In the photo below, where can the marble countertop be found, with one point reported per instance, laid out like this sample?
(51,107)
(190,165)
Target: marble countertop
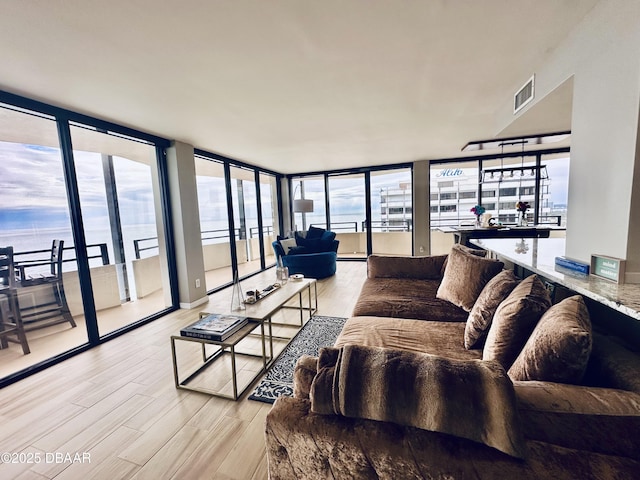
(539,254)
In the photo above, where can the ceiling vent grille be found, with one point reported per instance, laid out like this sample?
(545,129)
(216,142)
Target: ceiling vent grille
(524,95)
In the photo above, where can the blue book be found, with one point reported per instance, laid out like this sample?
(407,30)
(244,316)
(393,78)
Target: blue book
(573,265)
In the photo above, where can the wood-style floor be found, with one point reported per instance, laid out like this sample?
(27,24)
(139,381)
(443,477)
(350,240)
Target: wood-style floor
(113,412)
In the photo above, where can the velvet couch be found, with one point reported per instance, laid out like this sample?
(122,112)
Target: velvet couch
(573,396)
(312,253)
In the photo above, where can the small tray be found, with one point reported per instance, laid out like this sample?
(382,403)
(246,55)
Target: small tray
(263,293)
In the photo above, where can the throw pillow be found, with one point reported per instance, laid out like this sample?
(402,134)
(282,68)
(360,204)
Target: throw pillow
(326,240)
(465,276)
(287,244)
(479,320)
(464,248)
(515,319)
(559,347)
(315,232)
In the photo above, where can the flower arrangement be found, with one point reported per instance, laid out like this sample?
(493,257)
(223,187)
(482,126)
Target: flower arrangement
(522,207)
(478,210)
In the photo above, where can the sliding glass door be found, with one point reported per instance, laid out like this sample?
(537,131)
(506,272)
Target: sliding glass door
(391,211)
(347,213)
(34,212)
(269,212)
(214,222)
(123,227)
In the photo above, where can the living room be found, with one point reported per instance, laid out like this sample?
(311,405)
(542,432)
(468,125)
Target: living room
(586,81)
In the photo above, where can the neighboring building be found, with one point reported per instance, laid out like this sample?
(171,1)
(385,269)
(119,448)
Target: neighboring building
(454,192)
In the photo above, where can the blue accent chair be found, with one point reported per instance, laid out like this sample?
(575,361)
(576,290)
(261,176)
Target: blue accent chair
(313,257)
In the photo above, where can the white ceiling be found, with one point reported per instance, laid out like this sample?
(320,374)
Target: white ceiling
(293,86)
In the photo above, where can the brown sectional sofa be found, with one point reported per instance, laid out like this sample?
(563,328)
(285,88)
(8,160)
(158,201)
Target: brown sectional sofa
(585,429)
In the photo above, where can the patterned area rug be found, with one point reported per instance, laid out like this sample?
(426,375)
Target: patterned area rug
(318,332)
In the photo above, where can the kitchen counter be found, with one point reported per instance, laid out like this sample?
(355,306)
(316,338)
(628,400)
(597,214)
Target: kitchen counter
(538,255)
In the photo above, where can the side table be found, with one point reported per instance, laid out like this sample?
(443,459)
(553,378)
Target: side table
(222,348)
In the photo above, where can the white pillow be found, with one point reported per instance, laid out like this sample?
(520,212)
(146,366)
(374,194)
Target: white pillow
(287,243)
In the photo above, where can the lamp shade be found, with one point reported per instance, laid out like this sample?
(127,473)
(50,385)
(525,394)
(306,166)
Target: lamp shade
(302,205)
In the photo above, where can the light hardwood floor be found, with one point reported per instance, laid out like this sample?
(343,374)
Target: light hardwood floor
(113,412)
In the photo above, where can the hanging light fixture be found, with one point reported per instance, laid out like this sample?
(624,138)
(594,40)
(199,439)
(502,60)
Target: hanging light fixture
(506,174)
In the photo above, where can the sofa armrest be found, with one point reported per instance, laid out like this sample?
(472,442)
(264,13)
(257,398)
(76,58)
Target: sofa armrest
(303,373)
(602,420)
(423,268)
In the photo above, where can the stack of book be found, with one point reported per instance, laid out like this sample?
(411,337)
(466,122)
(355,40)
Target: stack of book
(215,327)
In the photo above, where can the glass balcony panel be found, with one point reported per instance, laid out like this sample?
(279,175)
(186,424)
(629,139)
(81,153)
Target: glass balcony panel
(33,212)
(122,213)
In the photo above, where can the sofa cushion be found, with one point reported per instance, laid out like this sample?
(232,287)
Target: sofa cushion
(559,347)
(436,338)
(515,319)
(479,320)
(406,298)
(612,365)
(422,268)
(465,276)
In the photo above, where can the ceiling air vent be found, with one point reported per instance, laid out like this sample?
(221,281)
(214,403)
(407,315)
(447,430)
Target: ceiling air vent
(524,95)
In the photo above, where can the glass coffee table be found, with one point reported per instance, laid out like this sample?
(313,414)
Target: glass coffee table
(203,378)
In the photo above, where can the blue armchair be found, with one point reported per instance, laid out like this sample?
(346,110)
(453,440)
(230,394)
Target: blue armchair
(314,255)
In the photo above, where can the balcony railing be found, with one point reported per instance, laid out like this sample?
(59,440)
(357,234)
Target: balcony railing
(94,251)
(151,243)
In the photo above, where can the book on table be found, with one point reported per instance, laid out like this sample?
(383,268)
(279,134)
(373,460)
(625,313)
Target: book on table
(215,326)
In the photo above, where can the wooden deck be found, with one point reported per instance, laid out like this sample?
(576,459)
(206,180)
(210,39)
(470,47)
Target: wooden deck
(113,412)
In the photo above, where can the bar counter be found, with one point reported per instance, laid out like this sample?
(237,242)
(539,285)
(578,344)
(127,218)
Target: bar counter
(538,255)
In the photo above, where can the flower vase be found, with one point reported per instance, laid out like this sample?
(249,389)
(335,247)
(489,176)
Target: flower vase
(522,221)
(478,221)
(237,298)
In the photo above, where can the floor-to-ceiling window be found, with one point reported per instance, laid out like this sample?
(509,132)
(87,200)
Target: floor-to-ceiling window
(270,217)
(310,188)
(498,183)
(453,191)
(245,217)
(214,221)
(121,212)
(507,181)
(34,211)
(239,217)
(554,192)
(347,213)
(75,198)
(391,211)
(370,210)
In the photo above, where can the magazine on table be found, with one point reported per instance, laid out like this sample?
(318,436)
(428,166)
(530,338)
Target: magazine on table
(215,326)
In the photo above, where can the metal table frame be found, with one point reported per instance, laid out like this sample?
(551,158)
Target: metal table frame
(258,314)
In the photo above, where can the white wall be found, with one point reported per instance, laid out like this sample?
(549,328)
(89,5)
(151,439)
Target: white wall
(603,55)
(186,224)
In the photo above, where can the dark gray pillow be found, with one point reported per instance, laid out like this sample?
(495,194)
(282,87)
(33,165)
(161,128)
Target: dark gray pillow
(515,319)
(481,315)
(559,347)
(465,276)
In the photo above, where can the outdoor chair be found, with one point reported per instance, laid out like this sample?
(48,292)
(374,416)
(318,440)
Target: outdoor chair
(11,327)
(45,307)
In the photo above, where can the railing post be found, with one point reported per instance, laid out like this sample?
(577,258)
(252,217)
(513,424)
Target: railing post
(104,253)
